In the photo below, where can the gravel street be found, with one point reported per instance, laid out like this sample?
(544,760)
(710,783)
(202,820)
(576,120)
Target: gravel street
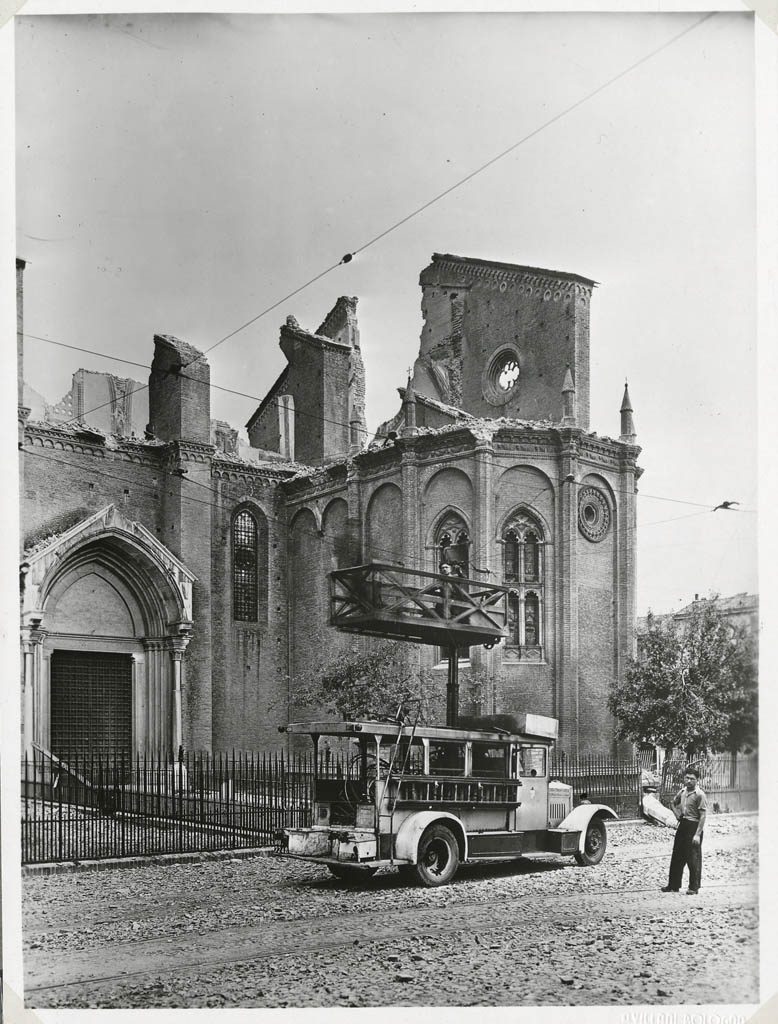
(277,933)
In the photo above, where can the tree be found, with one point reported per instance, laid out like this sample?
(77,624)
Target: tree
(372,682)
(692,687)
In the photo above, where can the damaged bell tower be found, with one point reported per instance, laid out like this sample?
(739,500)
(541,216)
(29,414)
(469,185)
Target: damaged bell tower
(497,338)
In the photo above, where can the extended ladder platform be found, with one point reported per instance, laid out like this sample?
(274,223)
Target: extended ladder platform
(390,601)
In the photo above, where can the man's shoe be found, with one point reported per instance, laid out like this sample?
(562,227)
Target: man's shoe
(669,888)
(691,892)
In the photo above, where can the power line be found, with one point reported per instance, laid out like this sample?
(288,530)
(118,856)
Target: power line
(324,419)
(451,188)
(493,563)
(535,131)
(339,423)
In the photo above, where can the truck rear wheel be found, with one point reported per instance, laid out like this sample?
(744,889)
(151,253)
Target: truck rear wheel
(595,841)
(438,856)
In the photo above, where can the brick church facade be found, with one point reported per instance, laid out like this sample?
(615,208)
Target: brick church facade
(174,583)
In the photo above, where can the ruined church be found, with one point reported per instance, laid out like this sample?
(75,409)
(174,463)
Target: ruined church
(174,578)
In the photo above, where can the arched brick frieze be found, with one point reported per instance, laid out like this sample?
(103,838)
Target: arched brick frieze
(383,525)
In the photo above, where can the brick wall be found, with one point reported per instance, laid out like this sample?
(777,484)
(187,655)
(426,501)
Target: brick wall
(250,667)
(66,481)
(474,309)
(179,392)
(383,525)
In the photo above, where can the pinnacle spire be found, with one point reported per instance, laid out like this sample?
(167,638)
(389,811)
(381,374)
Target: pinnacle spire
(628,434)
(409,407)
(569,418)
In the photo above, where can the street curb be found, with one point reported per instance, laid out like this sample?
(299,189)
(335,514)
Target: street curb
(125,863)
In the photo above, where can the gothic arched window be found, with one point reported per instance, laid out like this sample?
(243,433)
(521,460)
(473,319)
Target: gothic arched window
(523,569)
(452,545)
(531,563)
(244,567)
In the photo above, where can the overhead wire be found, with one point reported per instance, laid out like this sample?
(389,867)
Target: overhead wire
(400,556)
(340,423)
(348,257)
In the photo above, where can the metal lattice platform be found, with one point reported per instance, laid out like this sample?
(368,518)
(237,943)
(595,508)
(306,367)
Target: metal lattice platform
(408,604)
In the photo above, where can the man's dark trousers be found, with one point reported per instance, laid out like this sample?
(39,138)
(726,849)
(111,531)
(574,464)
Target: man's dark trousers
(685,852)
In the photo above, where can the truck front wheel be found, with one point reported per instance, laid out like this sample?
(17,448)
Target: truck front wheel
(438,856)
(595,841)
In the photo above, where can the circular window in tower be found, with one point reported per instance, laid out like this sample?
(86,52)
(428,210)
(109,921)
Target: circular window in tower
(594,514)
(501,376)
(508,375)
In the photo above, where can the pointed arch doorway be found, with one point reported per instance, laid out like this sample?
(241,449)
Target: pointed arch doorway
(106,620)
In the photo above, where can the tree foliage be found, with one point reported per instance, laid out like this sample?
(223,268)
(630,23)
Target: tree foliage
(692,687)
(371,682)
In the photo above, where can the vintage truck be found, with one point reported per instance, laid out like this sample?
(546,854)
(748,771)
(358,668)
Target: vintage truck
(429,798)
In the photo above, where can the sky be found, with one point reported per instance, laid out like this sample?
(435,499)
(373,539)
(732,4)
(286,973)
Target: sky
(180,174)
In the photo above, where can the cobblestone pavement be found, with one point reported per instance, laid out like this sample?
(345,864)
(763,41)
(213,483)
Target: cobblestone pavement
(274,933)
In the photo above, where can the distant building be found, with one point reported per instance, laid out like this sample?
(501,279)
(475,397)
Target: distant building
(174,579)
(742,610)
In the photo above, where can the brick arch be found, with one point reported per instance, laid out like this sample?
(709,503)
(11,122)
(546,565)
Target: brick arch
(308,596)
(525,485)
(383,525)
(596,480)
(337,546)
(449,486)
(105,593)
(312,510)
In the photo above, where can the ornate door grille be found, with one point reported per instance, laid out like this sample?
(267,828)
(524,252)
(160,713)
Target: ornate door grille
(91,702)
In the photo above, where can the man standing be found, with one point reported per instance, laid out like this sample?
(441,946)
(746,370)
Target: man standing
(690,808)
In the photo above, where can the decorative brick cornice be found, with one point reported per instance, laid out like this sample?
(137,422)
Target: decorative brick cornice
(531,281)
(191,451)
(44,435)
(234,472)
(58,440)
(316,481)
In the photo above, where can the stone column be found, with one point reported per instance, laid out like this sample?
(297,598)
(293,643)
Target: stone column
(483,530)
(354,518)
(412,542)
(32,639)
(176,733)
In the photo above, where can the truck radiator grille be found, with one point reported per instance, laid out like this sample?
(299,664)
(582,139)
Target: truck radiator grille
(557,810)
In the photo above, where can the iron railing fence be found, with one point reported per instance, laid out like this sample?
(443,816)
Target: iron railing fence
(730,781)
(93,806)
(616,782)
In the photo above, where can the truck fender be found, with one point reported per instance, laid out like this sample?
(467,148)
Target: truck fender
(578,819)
(406,844)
